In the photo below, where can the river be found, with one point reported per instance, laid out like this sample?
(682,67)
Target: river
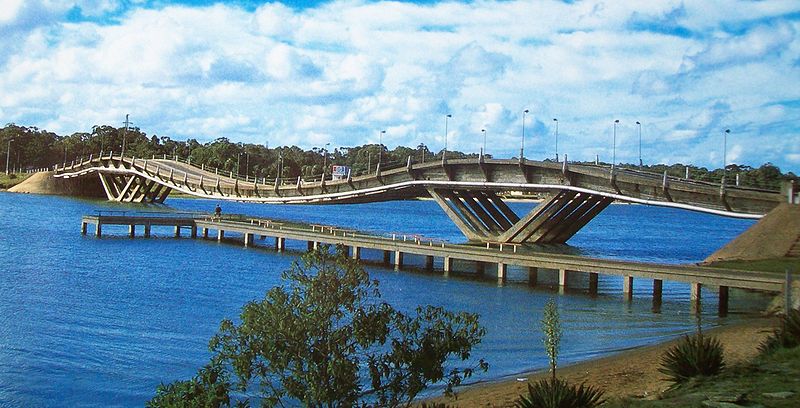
(101,322)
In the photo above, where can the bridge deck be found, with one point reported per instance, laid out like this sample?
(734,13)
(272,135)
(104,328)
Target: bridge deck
(410,244)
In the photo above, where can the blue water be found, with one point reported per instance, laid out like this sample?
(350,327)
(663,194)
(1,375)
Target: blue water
(101,322)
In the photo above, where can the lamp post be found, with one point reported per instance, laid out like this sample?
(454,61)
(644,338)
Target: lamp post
(522,143)
(125,133)
(247,164)
(444,153)
(325,159)
(8,154)
(640,144)
(556,120)
(380,146)
(614,146)
(483,150)
(725,155)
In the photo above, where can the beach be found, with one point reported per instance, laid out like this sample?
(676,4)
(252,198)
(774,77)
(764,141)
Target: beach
(631,373)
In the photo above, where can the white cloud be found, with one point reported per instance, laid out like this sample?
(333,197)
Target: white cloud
(342,71)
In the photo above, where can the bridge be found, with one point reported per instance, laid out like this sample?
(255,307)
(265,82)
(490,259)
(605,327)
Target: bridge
(470,191)
(494,257)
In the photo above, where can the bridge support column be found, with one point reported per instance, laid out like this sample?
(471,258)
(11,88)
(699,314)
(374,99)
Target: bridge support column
(177,231)
(280,244)
(593,278)
(447,264)
(205,232)
(658,286)
(98,229)
(398,259)
(248,239)
(356,253)
(132,230)
(695,292)
(84,227)
(194,231)
(220,235)
(429,262)
(386,257)
(502,271)
(147,230)
(627,288)
(723,301)
(533,275)
(562,278)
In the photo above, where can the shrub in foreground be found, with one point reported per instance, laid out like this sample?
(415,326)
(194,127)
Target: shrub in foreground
(557,393)
(787,335)
(327,339)
(694,356)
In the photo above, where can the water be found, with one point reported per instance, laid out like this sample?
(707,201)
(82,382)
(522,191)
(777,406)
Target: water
(101,322)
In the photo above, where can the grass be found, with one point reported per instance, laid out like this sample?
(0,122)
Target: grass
(775,372)
(10,180)
(777,265)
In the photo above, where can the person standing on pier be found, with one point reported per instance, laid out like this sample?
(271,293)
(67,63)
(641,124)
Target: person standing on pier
(218,212)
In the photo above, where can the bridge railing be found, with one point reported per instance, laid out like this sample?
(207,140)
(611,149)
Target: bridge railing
(385,166)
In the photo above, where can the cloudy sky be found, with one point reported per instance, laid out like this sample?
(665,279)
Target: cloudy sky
(315,72)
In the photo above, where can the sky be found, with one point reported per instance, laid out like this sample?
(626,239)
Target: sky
(313,73)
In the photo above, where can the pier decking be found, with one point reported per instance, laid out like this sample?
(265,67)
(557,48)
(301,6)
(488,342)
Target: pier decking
(499,256)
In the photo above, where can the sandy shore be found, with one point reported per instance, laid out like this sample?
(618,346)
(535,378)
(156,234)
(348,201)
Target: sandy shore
(631,373)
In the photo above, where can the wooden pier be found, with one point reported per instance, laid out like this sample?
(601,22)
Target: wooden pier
(495,256)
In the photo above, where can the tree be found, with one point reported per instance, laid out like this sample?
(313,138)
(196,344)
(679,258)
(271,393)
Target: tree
(327,339)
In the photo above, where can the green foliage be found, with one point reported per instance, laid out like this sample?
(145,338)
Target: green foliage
(327,339)
(551,326)
(694,356)
(786,336)
(209,388)
(556,393)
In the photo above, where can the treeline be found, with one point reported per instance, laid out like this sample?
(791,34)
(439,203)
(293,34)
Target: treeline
(33,148)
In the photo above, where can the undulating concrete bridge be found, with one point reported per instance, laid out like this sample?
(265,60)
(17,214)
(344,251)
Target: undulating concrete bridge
(470,191)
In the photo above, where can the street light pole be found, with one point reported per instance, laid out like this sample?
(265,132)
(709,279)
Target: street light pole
(444,153)
(556,120)
(522,143)
(325,160)
(614,146)
(125,133)
(380,146)
(483,150)
(725,155)
(640,144)
(8,154)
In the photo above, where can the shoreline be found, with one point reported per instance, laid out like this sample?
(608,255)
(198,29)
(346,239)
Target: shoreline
(631,373)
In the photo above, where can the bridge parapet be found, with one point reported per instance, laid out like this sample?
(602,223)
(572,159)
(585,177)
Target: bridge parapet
(472,189)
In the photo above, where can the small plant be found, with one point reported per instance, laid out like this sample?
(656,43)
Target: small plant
(694,356)
(787,336)
(556,393)
(552,334)
(553,392)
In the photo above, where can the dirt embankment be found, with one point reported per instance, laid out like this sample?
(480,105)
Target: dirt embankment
(632,373)
(773,236)
(45,183)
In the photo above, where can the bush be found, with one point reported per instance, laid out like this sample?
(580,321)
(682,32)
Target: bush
(694,356)
(326,338)
(557,393)
(209,389)
(787,336)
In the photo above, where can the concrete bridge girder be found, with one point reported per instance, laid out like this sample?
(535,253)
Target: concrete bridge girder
(469,189)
